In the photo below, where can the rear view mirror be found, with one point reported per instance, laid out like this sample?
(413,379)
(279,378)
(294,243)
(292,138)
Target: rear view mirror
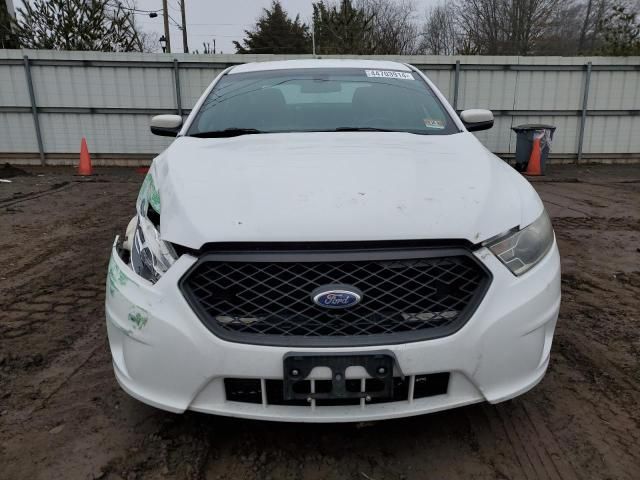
(477,119)
(320,86)
(166,125)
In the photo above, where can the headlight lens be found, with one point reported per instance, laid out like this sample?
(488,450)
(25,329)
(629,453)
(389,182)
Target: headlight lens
(150,256)
(522,250)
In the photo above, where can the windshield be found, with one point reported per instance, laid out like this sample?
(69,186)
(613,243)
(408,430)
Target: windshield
(311,100)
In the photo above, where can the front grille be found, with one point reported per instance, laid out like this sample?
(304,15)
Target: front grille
(250,390)
(266,298)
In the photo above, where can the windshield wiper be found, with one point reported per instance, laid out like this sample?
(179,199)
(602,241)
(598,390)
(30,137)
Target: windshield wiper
(363,129)
(227,132)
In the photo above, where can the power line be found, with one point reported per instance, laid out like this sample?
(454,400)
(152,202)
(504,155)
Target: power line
(175,23)
(174,8)
(136,10)
(225,24)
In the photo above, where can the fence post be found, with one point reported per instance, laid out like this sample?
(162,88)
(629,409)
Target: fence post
(176,73)
(456,85)
(583,118)
(34,109)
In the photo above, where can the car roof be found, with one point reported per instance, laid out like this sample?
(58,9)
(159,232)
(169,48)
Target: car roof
(320,63)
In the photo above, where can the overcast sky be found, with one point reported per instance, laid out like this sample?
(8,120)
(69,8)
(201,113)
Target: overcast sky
(225,20)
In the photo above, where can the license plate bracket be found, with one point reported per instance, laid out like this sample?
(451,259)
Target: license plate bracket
(378,364)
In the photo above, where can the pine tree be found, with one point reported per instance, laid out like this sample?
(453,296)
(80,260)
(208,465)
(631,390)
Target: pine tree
(620,32)
(343,29)
(98,25)
(276,32)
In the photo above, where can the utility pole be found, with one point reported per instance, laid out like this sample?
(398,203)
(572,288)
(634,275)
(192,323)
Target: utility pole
(165,15)
(184,27)
(313,38)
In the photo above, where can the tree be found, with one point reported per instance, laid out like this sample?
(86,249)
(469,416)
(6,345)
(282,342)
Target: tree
(395,31)
(206,49)
(505,27)
(97,25)
(275,32)
(620,32)
(594,14)
(563,30)
(439,34)
(7,37)
(343,29)
(531,27)
(365,27)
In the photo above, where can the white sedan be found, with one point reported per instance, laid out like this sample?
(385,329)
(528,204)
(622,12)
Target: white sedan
(325,241)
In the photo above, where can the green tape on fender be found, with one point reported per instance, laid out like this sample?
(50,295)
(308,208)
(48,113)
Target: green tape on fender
(138,317)
(150,193)
(115,277)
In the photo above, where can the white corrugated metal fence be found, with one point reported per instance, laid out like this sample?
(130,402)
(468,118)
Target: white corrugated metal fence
(109,98)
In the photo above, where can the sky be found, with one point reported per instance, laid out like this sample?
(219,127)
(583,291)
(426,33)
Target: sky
(225,20)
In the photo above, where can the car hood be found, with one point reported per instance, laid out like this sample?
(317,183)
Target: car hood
(344,186)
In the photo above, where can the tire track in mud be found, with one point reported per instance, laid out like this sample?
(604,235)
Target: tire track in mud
(598,195)
(628,186)
(580,422)
(597,223)
(548,448)
(583,308)
(54,295)
(593,346)
(175,447)
(76,317)
(596,422)
(611,384)
(523,443)
(20,198)
(88,239)
(58,280)
(65,367)
(30,296)
(516,431)
(53,188)
(521,431)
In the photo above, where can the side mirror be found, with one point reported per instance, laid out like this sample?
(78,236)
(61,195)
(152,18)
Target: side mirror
(166,125)
(477,119)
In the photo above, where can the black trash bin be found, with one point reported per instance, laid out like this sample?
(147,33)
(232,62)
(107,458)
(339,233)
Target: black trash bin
(525,135)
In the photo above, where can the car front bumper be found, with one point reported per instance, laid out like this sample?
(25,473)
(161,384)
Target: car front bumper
(164,356)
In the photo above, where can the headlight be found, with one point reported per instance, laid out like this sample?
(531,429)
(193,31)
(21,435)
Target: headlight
(150,256)
(522,250)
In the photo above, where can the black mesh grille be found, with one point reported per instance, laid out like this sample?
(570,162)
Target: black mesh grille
(270,302)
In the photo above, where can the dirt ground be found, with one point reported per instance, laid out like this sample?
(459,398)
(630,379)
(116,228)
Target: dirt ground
(62,415)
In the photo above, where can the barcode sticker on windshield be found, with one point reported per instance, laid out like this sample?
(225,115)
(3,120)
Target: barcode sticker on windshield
(389,74)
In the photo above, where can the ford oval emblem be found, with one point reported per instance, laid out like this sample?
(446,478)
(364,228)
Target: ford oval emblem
(336,296)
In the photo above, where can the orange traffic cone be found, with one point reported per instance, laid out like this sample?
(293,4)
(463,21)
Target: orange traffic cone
(534,167)
(84,167)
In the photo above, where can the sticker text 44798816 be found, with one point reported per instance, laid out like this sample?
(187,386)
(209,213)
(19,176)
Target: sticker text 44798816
(389,74)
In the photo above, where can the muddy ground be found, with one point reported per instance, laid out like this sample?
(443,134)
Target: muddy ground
(62,415)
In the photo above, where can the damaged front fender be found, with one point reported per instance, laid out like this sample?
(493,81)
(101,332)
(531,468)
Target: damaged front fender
(122,284)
